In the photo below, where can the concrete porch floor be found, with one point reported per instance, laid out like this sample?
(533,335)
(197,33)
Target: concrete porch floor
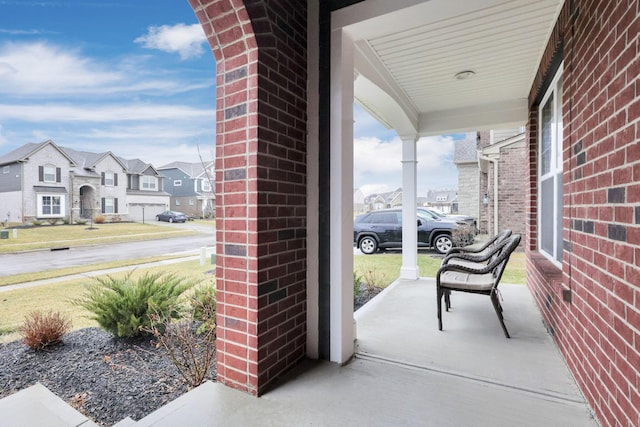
(408,373)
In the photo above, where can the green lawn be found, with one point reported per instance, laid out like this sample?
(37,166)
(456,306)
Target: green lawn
(15,304)
(384,268)
(55,236)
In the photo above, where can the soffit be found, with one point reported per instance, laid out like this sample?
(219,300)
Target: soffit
(413,53)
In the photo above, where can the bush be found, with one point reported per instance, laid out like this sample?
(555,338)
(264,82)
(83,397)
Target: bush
(189,343)
(41,330)
(99,219)
(357,284)
(203,305)
(123,306)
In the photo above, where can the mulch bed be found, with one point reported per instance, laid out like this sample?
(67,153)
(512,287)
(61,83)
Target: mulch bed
(105,378)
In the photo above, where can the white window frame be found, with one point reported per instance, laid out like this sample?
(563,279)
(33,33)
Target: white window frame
(178,202)
(50,206)
(6,169)
(109,179)
(109,205)
(149,182)
(206,186)
(177,183)
(191,202)
(554,174)
(49,173)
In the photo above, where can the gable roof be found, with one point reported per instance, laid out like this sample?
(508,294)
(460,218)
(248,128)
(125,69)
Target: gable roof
(23,152)
(193,169)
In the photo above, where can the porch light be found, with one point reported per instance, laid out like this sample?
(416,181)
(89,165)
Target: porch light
(462,75)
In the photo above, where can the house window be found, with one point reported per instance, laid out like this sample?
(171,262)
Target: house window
(149,182)
(206,186)
(550,172)
(49,173)
(109,179)
(6,169)
(177,183)
(178,202)
(190,202)
(109,205)
(50,205)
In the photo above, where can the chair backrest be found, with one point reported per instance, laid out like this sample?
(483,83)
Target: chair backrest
(500,260)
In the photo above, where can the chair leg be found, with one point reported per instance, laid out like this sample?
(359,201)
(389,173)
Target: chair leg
(447,299)
(439,297)
(498,308)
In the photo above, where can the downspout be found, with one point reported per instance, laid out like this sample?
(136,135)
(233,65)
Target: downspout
(495,189)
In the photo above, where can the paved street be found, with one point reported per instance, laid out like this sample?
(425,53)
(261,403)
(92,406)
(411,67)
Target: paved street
(28,262)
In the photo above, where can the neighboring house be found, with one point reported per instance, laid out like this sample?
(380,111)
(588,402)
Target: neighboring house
(44,181)
(145,191)
(446,201)
(466,160)
(191,186)
(495,195)
(375,202)
(502,181)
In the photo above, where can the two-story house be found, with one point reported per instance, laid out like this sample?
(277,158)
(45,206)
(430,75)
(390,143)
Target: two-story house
(191,186)
(44,181)
(145,191)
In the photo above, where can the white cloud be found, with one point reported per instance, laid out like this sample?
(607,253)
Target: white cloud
(185,40)
(101,113)
(378,164)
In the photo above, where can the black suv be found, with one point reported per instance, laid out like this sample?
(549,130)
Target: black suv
(383,230)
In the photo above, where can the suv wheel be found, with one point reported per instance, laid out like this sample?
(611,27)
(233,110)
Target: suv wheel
(368,245)
(442,243)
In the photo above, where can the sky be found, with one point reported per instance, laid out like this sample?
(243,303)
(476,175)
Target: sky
(137,77)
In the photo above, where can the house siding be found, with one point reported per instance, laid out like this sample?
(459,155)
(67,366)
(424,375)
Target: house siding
(468,189)
(11,180)
(597,324)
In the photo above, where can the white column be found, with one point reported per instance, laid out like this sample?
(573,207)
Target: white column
(409,269)
(341,210)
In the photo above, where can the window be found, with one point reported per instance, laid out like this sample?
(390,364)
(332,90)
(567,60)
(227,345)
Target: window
(177,183)
(108,179)
(6,169)
(50,205)
(550,172)
(190,202)
(109,205)
(49,173)
(178,202)
(206,186)
(149,182)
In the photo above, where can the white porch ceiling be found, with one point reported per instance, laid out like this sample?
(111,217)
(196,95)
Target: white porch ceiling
(411,51)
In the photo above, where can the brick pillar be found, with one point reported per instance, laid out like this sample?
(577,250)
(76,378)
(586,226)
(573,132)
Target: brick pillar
(260,186)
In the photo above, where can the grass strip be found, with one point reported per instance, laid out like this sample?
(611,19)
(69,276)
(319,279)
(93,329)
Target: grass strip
(16,304)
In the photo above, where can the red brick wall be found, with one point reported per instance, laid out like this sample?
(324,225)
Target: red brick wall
(598,331)
(260,51)
(511,196)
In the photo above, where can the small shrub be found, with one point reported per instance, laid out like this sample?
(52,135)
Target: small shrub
(357,284)
(116,218)
(99,219)
(462,236)
(189,343)
(203,305)
(65,221)
(123,306)
(81,221)
(41,330)
(36,222)
(53,221)
(375,278)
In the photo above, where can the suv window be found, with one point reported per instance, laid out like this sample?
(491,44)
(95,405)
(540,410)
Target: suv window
(385,218)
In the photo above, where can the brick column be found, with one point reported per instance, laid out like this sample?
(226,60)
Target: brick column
(260,186)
